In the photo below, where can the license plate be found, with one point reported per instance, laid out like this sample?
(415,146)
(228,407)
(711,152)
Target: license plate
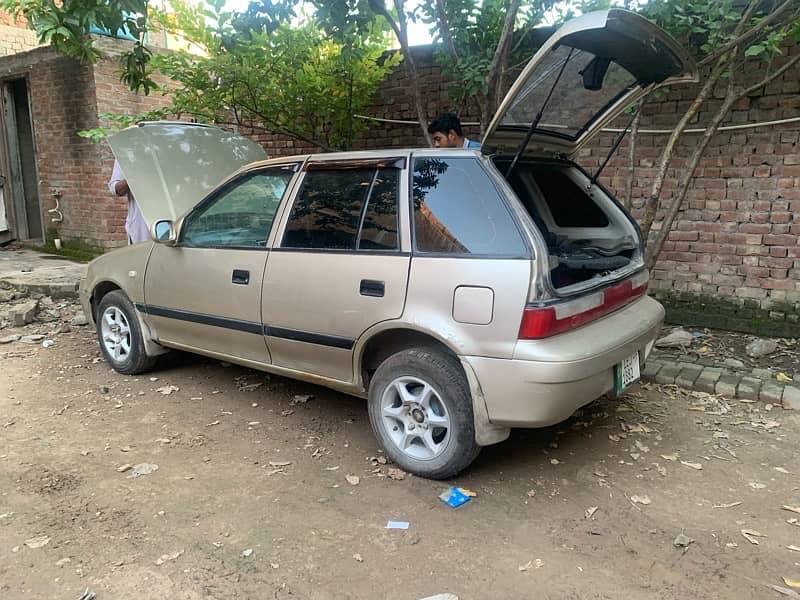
(626,373)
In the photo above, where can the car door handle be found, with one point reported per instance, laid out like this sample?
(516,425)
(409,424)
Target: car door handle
(240,277)
(371,287)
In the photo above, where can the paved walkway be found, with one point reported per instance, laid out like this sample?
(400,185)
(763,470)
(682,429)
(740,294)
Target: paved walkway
(26,270)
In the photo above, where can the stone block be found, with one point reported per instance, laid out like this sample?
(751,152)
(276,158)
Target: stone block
(651,369)
(707,380)
(24,313)
(791,398)
(726,386)
(688,375)
(667,374)
(770,393)
(748,388)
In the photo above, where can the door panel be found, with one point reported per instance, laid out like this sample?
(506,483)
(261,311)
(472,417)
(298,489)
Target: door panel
(314,308)
(192,299)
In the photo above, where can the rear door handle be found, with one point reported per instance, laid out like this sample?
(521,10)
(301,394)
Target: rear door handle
(371,287)
(240,277)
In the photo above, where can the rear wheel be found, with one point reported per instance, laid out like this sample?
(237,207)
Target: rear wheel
(421,412)
(120,336)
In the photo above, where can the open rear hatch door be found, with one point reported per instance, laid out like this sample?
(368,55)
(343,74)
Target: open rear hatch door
(170,166)
(586,74)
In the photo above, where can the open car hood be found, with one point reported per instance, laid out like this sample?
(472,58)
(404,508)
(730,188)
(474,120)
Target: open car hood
(603,62)
(170,166)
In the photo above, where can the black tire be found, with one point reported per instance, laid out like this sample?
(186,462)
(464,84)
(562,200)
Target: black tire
(133,360)
(444,374)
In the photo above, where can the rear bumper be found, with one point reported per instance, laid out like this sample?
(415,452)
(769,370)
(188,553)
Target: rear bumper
(535,390)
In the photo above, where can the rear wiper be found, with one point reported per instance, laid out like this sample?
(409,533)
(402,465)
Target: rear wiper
(538,117)
(614,147)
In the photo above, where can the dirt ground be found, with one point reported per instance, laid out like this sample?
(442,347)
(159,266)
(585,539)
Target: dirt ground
(587,510)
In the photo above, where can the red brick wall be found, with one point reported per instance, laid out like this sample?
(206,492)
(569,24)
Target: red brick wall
(61,97)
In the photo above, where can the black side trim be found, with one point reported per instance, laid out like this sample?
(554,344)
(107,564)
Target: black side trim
(192,317)
(321,339)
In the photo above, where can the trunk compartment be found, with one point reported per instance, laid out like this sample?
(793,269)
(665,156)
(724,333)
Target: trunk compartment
(590,238)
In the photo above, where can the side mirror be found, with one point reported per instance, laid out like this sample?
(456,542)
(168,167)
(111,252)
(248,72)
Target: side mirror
(163,232)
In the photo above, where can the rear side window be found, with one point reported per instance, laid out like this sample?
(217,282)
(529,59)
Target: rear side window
(570,205)
(457,210)
(345,210)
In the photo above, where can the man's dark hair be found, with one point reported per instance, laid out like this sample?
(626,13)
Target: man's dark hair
(444,123)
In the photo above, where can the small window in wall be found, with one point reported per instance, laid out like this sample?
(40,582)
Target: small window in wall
(345,209)
(457,210)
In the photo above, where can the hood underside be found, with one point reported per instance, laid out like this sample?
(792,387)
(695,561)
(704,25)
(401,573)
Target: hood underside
(170,166)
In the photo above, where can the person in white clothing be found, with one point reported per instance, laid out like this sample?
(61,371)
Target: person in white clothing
(135,225)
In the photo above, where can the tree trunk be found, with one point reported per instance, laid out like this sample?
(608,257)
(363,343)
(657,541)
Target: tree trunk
(688,173)
(651,204)
(495,78)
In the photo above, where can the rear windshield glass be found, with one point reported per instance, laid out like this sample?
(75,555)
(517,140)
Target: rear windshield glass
(572,106)
(457,210)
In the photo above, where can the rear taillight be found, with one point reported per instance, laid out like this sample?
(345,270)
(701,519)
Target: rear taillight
(546,321)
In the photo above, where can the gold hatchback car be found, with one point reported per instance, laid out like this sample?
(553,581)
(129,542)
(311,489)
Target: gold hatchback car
(462,292)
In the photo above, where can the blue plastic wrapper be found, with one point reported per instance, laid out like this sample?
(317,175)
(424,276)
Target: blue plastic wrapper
(454,498)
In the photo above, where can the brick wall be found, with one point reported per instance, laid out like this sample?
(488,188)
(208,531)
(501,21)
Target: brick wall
(65,98)
(15,35)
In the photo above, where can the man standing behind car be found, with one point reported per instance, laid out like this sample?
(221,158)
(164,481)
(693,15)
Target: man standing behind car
(447,133)
(135,225)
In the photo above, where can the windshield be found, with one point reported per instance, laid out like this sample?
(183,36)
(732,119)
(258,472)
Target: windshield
(575,101)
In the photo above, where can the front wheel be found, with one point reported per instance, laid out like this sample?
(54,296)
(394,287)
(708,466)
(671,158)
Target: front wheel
(120,336)
(420,409)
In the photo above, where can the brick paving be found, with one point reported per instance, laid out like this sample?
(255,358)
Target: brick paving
(705,375)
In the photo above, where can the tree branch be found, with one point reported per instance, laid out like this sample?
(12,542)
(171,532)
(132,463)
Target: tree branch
(651,204)
(501,53)
(444,28)
(688,173)
(400,30)
(789,64)
(627,201)
(742,38)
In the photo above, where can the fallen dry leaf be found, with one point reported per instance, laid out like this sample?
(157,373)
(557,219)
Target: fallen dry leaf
(751,534)
(794,548)
(589,513)
(729,505)
(757,486)
(784,591)
(168,389)
(358,557)
(38,541)
(167,557)
(352,479)
(526,566)
(396,474)
(795,583)
(692,465)
(781,470)
(279,463)
(794,509)
(672,457)
(783,378)
(641,500)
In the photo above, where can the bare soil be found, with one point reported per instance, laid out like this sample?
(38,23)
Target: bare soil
(68,423)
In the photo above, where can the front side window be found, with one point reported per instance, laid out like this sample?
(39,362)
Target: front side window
(457,210)
(347,209)
(242,215)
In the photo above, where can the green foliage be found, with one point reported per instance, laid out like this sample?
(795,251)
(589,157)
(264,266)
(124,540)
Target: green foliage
(116,122)
(263,70)
(65,25)
(475,27)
